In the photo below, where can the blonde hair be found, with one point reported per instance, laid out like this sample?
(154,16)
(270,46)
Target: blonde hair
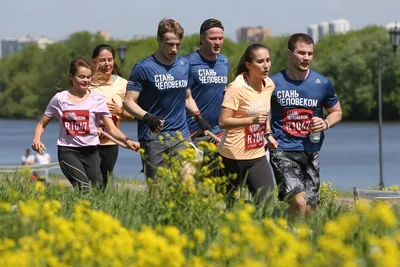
(169,25)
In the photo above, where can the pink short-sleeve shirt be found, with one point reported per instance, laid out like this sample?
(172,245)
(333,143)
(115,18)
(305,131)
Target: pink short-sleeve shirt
(78,121)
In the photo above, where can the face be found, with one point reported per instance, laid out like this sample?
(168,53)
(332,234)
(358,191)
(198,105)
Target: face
(81,79)
(106,62)
(260,65)
(169,45)
(212,40)
(302,56)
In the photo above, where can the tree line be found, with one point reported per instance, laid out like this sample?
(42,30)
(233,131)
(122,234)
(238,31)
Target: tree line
(29,79)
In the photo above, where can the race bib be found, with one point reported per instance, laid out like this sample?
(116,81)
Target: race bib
(76,122)
(296,121)
(254,136)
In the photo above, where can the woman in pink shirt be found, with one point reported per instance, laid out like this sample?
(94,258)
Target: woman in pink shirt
(79,112)
(244,118)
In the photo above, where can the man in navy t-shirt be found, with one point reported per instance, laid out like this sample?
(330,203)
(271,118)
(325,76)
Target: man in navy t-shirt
(209,71)
(298,127)
(157,95)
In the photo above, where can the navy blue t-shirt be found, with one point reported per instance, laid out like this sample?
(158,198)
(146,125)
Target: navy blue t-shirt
(162,93)
(293,104)
(208,81)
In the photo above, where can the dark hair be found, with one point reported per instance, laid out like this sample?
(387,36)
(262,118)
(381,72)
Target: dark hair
(297,38)
(210,23)
(248,56)
(75,65)
(96,52)
(169,25)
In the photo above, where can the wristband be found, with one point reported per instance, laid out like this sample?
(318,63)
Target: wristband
(327,124)
(126,139)
(196,113)
(268,134)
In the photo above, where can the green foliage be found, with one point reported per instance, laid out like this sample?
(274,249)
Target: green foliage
(30,78)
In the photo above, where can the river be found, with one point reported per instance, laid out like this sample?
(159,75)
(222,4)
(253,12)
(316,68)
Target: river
(349,156)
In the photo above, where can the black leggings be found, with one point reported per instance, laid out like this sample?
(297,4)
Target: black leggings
(108,156)
(81,166)
(256,172)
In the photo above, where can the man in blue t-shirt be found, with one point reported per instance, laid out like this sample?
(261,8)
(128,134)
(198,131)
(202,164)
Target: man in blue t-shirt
(157,95)
(298,127)
(209,71)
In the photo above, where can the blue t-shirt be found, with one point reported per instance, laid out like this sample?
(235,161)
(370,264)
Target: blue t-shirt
(162,93)
(207,85)
(293,104)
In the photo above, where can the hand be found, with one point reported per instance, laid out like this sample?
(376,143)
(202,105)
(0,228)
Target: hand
(38,146)
(135,146)
(114,108)
(153,122)
(260,119)
(203,123)
(272,143)
(318,124)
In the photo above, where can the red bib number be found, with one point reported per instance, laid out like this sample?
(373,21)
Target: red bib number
(254,136)
(76,122)
(296,121)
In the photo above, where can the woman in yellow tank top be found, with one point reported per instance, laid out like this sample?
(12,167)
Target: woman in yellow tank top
(244,118)
(107,80)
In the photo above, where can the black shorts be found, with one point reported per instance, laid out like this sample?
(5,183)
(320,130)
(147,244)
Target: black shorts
(152,158)
(295,172)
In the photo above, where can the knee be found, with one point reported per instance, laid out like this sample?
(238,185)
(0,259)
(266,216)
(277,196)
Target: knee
(299,201)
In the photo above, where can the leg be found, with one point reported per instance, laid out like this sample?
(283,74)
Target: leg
(212,164)
(290,179)
(72,167)
(108,155)
(298,205)
(259,179)
(91,162)
(312,181)
(232,168)
(152,157)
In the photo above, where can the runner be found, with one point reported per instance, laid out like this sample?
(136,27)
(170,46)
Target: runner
(297,110)
(244,117)
(42,158)
(209,71)
(158,96)
(107,80)
(79,111)
(28,158)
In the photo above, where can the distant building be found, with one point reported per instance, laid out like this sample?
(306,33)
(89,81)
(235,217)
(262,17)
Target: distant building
(252,34)
(339,26)
(312,30)
(105,34)
(391,25)
(324,28)
(11,45)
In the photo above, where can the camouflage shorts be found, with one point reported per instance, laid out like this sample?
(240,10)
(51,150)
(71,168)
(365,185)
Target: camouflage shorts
(295,172)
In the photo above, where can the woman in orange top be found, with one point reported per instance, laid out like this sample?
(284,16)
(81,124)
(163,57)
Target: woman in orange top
(244,118)
(107,80)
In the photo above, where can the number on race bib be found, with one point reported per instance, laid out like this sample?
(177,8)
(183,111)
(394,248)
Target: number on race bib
(296,121)
(254,136)
(76,122)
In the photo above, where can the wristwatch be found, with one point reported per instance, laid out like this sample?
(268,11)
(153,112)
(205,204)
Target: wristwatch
(126,139)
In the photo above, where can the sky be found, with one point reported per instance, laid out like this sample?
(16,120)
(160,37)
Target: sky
(57,19)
